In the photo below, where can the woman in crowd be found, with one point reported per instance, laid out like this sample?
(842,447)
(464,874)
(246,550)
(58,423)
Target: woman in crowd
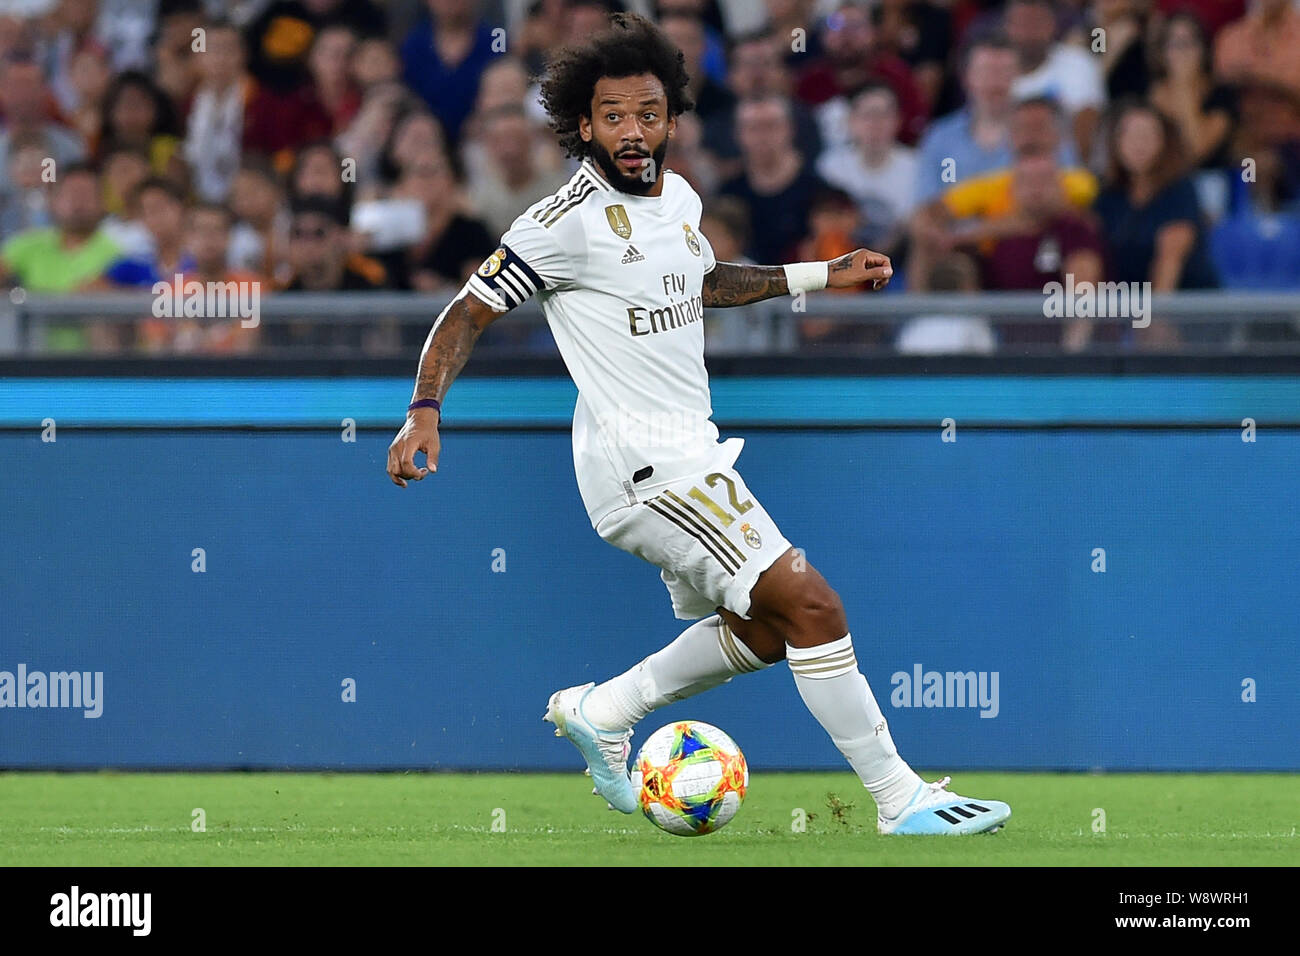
(1185,90)
(138,115)
(1150,213)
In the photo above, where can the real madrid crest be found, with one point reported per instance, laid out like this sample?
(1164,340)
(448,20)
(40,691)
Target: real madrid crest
(752,537)
(492,264)
(691,242)
(618,221)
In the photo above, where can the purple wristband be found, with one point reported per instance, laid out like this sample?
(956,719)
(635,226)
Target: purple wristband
(425,403)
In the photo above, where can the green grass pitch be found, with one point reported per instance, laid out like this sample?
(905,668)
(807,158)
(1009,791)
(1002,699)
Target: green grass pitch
(145,819)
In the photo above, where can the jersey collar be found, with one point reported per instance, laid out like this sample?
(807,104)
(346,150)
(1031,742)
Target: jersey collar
(589,172)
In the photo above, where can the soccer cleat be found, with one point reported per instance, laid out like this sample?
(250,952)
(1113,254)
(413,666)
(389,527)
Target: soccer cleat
(934,810)
(606,752)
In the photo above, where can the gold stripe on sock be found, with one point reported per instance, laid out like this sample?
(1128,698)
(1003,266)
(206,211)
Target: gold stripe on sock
(842,666)
(727,650)
(741,661)
(817,667)
(838,656)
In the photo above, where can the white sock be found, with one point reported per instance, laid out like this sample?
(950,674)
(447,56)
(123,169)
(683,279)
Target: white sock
(704,655)
(839,697)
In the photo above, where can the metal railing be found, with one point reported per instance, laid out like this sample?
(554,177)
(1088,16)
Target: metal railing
(394,324)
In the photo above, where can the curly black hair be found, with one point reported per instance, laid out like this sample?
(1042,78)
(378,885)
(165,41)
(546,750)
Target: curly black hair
(631,46)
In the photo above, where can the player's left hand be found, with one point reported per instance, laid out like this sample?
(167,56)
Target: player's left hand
(858,267)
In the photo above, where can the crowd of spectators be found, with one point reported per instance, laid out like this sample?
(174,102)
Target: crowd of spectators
(328,145)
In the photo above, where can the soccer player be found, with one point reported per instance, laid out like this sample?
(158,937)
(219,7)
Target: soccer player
(623,275)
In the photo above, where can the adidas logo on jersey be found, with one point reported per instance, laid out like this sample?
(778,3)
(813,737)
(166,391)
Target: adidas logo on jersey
(631,256)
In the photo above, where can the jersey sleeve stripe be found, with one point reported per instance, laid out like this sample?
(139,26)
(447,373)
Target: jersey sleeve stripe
(550,206)
(554,217)
(563,196)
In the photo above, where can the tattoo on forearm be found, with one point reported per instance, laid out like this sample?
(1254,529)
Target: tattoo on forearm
(446,351)
(733,284)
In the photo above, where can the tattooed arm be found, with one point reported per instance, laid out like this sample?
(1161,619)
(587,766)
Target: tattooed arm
(445,352)
(731,283)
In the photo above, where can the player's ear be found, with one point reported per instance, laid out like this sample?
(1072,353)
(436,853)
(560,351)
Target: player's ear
(672,126)
(584,128)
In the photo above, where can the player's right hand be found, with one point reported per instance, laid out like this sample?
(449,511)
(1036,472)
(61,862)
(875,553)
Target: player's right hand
(419,433)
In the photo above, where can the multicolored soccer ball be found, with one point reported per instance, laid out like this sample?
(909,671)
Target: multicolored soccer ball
(690,778)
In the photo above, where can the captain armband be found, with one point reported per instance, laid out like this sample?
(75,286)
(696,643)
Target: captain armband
(504,280)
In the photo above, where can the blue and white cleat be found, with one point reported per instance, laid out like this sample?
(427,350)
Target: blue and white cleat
(933,810)
(606,752)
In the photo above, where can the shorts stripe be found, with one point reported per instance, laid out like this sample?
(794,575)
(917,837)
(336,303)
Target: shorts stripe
(660,508)
(717,532)
(701,523)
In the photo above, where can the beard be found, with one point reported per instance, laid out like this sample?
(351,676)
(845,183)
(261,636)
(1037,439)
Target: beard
(624,181)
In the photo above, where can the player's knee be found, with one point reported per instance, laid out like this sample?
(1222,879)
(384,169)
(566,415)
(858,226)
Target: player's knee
(811,613)
(823,613)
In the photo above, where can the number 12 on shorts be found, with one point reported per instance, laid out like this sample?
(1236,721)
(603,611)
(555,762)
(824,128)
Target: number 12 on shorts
(722,514)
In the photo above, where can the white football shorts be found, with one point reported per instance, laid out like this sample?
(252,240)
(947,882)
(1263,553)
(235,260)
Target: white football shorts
(708,534)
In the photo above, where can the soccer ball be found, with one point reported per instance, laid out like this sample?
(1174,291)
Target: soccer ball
(690,778)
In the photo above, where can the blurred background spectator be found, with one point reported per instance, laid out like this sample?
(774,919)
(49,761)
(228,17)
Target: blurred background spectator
(511,177)
(207,236)
(24,203)
(162,212)
(852,59)
(137,114)
(215,131)
(29,113)
(777,182)
(451,243)
(980,210)
(1185,90)
(948,334)
(259,240)
(71,255)
(1256,54)
(1150,212)
(444,56)
(875,169)
(321,261)
(966,138)
(1067,73)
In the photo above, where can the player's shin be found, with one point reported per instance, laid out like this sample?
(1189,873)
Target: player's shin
(839,697)
(703,656)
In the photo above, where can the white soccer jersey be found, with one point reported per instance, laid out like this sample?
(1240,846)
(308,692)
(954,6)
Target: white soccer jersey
(619,278)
